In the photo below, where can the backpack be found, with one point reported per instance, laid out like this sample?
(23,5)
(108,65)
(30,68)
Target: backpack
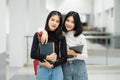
(35,62)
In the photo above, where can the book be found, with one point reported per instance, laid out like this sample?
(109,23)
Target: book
(77,49)
(46,49)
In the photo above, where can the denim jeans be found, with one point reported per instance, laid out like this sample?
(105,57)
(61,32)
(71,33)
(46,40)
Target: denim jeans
(45,73)
(75,70)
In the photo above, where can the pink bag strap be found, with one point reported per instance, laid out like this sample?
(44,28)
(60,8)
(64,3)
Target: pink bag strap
(39,35)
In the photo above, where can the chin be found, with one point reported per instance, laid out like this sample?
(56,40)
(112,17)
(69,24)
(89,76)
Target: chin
(68,29)
(52,29)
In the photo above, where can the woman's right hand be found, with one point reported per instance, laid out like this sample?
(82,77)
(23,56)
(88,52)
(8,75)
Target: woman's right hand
(52,57)
(71,52)
(44,37)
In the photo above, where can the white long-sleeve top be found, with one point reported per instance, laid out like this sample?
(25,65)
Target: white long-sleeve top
(75,41)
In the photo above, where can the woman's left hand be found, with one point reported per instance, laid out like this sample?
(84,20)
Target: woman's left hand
(46,64)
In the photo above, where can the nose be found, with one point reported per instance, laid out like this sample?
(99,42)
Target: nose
(68,23)
(54,22)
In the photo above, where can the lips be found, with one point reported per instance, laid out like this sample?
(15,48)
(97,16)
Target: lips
(53,26)
(68,27)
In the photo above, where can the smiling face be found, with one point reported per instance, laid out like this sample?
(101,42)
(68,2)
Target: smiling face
(70,23)
(54,22)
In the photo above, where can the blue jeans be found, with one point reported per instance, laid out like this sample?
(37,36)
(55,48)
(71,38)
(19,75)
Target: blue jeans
(75,70)
(45,73)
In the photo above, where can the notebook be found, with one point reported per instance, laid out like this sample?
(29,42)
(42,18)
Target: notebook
(77,49)
(46,49)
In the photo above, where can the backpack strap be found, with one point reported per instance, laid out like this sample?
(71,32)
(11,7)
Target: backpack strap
(39,35)
(35,62)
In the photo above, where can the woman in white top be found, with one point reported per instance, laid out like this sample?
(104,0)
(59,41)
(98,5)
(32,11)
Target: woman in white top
(75,67)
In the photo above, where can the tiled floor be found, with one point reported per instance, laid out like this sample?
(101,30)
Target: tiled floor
(95,72)
(2,66)
(104,72)
(100,66)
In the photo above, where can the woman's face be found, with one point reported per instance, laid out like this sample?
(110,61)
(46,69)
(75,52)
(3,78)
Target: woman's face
(69,23)
(54,22)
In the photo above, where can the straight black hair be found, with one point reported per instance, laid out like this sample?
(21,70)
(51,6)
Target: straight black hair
(78,25)
(58,31)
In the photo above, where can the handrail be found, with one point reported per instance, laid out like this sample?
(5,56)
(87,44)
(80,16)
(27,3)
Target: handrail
(102,37)
(88,37)
(106,37)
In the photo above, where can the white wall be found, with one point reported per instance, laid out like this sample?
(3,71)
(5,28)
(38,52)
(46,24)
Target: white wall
(117,23)
(2,26)
(2,40)
(103,10)
(108,4)
(36,15)
(17,32)
(50,5)
(81,6)
(102,5)
(26,16)
(117,16)
(98,6)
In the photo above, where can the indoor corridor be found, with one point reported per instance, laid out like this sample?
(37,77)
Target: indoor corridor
(99,65)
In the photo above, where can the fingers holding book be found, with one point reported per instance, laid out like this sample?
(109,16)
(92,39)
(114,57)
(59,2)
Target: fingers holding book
(46,64)
(72,52)
(52,57)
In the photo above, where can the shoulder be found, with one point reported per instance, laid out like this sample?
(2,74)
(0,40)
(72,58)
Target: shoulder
(35,34)
(82,35)
(82,38)
(63,39)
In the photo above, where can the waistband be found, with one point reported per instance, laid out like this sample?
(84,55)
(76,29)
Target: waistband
(71,59)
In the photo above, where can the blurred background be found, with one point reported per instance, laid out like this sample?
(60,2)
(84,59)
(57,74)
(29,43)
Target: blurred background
(20,19)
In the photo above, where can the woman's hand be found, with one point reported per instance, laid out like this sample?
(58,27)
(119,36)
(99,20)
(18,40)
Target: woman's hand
(44,37)
(46,64)
(71,52)
(52,57)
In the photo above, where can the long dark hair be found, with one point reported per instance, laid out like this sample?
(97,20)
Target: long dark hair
(78,25)
(58,31)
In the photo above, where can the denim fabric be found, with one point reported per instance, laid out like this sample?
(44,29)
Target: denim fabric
(45,73)
(75,70)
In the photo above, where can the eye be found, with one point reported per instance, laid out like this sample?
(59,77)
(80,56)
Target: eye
(57,21)
(72,22)
(67,20)
(52,19)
